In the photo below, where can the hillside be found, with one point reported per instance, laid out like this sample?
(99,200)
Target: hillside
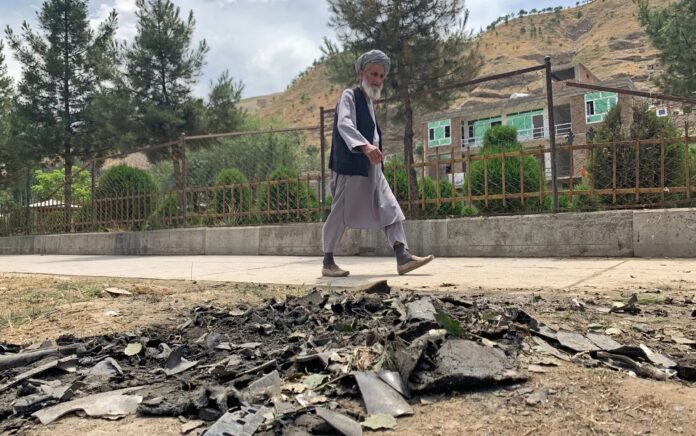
(604,35)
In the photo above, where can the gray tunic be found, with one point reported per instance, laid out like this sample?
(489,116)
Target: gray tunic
(364,202)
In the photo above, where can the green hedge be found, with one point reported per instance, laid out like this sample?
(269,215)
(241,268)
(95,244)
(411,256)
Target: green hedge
(497,140)
(645,124)
(232,199)
(282,198)
(396,176)
(125,194)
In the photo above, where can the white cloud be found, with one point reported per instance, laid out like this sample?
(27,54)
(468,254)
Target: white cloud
(264,43)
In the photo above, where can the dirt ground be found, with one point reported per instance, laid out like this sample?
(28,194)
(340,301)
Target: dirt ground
(584,401)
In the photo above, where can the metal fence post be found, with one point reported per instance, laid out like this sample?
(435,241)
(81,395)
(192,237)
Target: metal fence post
(184,177)
(94,199)
(27,205)
(552,135)
(322,180)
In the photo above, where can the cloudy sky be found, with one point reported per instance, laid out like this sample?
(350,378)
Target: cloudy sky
(264,43)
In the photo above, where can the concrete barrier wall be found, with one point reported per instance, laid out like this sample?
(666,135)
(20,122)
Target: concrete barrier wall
(649,233)
(665,233)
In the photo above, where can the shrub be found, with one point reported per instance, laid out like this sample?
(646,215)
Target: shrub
(497,140)
(583,203)
(165,214)
(51,222)
(230,199)
(645,124)
(398,180)
(125,195)
(284,197)
(432,210)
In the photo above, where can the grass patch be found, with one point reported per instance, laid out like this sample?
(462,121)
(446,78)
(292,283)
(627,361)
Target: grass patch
(27,305)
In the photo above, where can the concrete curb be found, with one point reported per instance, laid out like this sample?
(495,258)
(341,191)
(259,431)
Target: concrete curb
(640,233)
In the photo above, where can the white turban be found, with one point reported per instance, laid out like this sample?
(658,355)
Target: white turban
(372,57)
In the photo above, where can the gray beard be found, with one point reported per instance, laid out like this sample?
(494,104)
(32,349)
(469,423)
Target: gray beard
(372,92)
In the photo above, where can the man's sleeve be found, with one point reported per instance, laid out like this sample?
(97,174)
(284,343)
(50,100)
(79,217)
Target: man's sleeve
(347,121)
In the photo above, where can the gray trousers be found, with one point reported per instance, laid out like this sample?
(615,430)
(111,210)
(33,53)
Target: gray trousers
(334,228)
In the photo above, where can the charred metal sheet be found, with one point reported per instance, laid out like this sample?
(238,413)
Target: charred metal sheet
(548,349)
(657,359)
(340,422)
(266,386)
(107,404)
(379,397)
(176,362)
(66,363)
(242,422)
(20,359)
(421,310)
(575,341)
(603,341)
(393,379)
(464,365)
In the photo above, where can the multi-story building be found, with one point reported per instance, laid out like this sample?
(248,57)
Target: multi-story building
(577,113)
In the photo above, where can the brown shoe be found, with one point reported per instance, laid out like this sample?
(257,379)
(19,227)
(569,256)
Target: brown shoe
(415,262)
(333,271)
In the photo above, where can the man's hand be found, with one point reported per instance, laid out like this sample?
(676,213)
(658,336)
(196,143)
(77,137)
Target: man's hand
(372,153)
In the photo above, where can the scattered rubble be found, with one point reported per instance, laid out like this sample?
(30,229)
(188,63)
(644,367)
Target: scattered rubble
(325,362)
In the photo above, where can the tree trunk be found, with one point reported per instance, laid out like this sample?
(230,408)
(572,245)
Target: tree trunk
(67,149)
(67,189)
(408,158)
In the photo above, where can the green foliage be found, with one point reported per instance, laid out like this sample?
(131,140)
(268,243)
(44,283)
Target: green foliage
(64,65)
(233,194)
(672,31)
(583,203)
(645,124)
(439,50)
(258,155)
(450,324)
(165,213)
(125,194)
(49,185)
(161,68)
(503,139)
(224,114)
(395,173)
(285,196)
(6,94)
(398,180)
(51,222)
(432,210)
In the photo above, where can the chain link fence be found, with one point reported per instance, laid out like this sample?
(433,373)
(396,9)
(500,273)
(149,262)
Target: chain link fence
(535,140)
(239,178)
(604,145)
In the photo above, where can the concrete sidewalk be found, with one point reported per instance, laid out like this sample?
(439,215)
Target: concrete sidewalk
(485,273)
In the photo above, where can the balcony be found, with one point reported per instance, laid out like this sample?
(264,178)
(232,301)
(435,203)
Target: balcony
(524,135)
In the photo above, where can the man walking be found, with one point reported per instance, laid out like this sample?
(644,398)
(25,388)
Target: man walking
(362,198)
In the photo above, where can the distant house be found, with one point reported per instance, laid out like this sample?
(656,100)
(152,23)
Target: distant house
(454,133)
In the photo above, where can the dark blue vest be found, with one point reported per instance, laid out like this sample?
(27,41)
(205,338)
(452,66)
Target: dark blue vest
(343,160)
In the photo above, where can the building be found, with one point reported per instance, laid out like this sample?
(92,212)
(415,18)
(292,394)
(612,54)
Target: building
(577,113)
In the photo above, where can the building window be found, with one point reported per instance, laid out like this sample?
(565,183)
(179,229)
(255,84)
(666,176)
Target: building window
(598,105)
(439,133)
(477,129)
(529,124)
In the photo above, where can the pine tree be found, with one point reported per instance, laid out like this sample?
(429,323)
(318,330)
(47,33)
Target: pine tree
(224,114)
(672,31)
(426,41)
(64,65)
(5,106)
(161,68)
